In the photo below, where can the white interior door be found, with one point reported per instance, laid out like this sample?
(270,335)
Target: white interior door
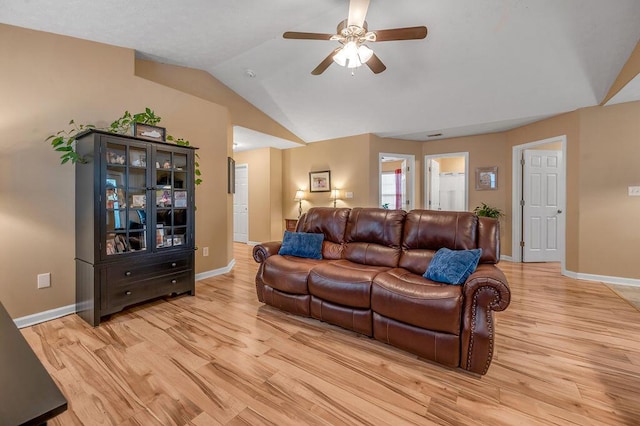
(241,205)
(543,205)
(433,202)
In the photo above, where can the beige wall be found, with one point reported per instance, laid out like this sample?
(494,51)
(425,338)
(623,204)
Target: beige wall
(609,161)
(452,165)
(46,80)
(348,162)
(204,85)
(265,193)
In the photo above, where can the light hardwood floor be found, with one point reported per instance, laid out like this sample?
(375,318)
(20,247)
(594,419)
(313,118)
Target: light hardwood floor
(567,352)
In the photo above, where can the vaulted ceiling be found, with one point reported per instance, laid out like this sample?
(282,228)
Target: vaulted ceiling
(485,66)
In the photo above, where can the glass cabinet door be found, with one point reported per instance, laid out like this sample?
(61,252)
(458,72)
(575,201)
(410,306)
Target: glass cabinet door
(125,199)
(172,199)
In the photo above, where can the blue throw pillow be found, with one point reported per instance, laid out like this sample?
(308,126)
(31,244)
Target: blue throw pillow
(453,266)
(302,244)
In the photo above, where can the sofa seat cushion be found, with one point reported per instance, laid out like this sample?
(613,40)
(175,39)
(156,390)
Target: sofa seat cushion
(344,282)
(410,298)
(288,273)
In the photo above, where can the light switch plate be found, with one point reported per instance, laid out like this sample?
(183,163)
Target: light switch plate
(44,280)
(634,191)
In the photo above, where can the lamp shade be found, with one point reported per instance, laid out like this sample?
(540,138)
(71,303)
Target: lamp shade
(299,195)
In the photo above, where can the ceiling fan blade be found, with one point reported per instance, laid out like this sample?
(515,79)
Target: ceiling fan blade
(376,65)
(307,36)
(410,33)
(357,12)
(325,63)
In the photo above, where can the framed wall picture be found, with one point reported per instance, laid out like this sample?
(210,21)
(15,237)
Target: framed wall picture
(231,175)
(486,178)
(320,181)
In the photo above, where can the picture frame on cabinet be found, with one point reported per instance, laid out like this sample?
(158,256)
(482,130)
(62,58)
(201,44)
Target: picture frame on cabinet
(149,132)
(138,200)
(180,199)
(160,236)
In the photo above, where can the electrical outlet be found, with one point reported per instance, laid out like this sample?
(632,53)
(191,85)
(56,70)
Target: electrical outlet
(634,191)
(205,251)
(44,280)
(348,195)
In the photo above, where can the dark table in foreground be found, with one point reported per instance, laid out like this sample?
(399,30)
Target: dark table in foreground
(28,395)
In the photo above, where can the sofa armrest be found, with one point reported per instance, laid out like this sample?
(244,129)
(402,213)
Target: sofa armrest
(485,291)
(262,251)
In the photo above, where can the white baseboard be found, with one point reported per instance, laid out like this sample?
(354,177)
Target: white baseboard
(52,314)
(507,258)
(632,282)
(49,315)
(216,272)
(253,243)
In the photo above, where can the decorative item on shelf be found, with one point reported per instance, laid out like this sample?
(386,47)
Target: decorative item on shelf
(320,181)
(486,178)
(335,195)
(147,131)
(299,197)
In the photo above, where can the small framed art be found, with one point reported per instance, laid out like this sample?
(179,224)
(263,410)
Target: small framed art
(320,181)
(147,131)
(486,178)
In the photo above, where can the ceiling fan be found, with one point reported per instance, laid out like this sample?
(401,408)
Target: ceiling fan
(352,34)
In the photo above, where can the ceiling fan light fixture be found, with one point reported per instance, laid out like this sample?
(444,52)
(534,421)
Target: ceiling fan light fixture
(364,53)
(352,55)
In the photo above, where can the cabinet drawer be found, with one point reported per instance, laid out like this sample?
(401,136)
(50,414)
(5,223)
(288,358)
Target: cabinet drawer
(124,294)
(131,272)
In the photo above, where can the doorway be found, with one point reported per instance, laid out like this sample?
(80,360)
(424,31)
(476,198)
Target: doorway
(539,194)
(396,181)
(446,184)
(241,204)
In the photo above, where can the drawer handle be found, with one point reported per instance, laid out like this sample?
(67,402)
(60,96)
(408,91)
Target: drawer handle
(128,293)
(128,273)
(174,264)
(173,281)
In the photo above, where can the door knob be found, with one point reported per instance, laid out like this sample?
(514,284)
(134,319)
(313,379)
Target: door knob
(559,211)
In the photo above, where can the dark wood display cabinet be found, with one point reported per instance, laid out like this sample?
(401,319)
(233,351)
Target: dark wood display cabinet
(134,222)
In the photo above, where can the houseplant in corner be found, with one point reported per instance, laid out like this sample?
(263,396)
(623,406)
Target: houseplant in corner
(488,211)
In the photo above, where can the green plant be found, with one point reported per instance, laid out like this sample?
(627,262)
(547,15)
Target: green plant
(488,211)
(64,141)
(123,124)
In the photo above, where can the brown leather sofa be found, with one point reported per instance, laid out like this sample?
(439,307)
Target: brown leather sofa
(370,280)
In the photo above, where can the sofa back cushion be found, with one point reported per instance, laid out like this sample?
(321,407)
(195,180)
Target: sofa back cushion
(330,222)
(427,231)
(489,239)
(374,236)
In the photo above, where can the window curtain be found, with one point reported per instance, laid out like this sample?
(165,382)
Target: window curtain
(398,173)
